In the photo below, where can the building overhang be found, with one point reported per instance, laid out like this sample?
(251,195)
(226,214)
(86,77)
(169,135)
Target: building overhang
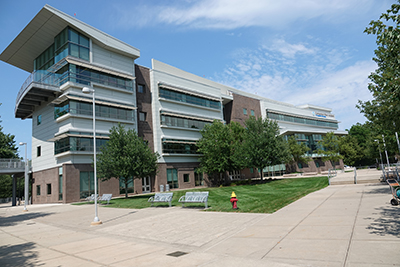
(34,95)
(313,131)
(39,34)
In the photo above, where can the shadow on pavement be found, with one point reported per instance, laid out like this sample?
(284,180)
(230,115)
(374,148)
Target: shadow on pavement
(14,219)
(387,223)
(378,189)
(18,255)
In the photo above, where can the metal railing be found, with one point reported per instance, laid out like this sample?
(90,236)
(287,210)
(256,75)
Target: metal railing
(12,164)
(40,76)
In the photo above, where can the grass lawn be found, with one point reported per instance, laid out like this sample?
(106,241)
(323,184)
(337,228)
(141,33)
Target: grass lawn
(265,197)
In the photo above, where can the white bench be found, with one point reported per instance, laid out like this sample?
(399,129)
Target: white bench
(106,197)
(91,197)
(194,197)
(161,197)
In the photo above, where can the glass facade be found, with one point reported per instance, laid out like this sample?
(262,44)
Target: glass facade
(72,43)
(67,43)
(172,178)
(310,140)
(172,146)
(82,75)
(86,182)
(170,120)
(288,118)
(187,98)
(71,143)
(84,108)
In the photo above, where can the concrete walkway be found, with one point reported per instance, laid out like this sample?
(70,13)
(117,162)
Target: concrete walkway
(344,225)
(363,176)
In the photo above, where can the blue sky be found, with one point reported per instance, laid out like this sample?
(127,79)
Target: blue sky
(299,52)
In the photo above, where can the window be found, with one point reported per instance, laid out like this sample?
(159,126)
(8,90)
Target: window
(141,88)
(245,111)
(49,189)
(130,189)
(77,144)
(172,146)
(86,182)
(172,178)
(186,178)
(38,190)
(169,120)
(39,119)
(198,178)
(190,99)
(252,112)
(38,151)
(289,118)
(60,183)
(142,116)
(102,111)
(235,175)
(300,165)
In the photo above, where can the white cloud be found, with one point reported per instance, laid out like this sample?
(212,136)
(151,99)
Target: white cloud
(290,50)
(323,79)
(231,14)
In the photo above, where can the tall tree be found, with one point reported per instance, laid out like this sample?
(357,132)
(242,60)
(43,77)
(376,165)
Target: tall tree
(126,157)
(220,146)
(298,151)
(330,150)
(349,149)
(384,109)
(263,145)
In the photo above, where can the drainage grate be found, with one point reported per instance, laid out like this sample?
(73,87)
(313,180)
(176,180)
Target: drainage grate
(177,254)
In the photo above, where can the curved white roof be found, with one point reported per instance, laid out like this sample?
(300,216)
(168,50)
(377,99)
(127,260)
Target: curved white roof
(39,34)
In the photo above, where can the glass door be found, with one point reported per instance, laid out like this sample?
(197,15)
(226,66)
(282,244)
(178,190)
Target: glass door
(146,185)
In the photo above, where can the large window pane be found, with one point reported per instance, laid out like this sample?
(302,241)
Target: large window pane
(172,178)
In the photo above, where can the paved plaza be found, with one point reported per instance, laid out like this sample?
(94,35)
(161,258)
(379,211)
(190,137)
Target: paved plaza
(341,225)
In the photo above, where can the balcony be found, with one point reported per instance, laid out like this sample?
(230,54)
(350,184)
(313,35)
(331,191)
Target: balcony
(38,88)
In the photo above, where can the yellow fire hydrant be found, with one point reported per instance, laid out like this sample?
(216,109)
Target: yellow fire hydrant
(233,201)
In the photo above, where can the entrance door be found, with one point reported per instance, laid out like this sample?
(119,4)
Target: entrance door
(146,185)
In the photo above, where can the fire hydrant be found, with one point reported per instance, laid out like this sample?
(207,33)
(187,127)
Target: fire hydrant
(233,201)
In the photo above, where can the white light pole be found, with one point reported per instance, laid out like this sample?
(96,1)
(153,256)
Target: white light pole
(380,154)
(87,90)
(26,175)
(387,158)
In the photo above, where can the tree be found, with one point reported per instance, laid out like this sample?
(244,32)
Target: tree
(330,150)
(263,146)
(350,150)
(298,151)
(8,150)
(126,157)
(384,109)
(221,149)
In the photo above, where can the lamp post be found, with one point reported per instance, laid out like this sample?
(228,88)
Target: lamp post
(87,90)
(26,175)
(380,154)
(387,158)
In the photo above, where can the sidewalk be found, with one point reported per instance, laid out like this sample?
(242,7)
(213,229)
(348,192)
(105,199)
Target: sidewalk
(344,225)
(364,176)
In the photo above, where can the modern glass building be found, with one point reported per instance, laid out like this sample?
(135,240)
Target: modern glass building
(166,106)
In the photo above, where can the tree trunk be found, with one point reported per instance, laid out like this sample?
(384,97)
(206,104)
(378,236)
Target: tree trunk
(262,173)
